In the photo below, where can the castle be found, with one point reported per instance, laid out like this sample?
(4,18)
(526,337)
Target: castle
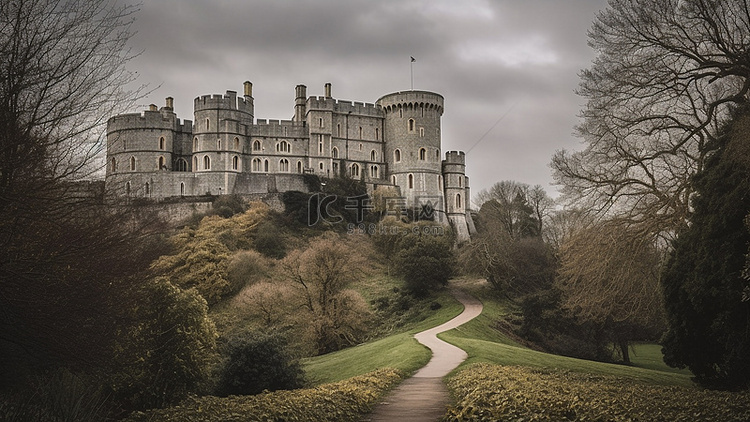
(392,143)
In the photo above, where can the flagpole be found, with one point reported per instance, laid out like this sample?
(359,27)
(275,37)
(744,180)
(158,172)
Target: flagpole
(411,71)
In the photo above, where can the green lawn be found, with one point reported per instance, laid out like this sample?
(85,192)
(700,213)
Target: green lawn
(398,351)
(483,343)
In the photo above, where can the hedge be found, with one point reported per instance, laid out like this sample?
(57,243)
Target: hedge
(343,401)
(487,392)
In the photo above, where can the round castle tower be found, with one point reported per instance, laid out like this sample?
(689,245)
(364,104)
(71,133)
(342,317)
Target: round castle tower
(141,145)
(220,130)
(412,146)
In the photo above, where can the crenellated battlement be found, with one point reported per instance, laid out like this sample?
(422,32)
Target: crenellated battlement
(412,99)
(149,119)
(228,101)
(272,127)
(455,157)
(344,106)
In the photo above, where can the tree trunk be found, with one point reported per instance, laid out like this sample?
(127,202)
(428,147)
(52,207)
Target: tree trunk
(625,350)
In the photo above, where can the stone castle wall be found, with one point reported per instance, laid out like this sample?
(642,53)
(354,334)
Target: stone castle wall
(395,141)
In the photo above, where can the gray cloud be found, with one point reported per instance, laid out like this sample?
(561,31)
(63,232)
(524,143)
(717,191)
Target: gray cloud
(487,58)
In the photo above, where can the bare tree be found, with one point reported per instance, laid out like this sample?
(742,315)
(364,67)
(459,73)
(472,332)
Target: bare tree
(62,252)
(62,67)
(321,274)
(665,78)
(610,277)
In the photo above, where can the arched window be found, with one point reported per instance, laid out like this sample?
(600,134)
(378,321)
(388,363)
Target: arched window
(283,146)
(256,164)
(411,181)
(299,166)
(374,173)
(162,163)
(397,155)
(338,130)
(400,112)
(265,166)
(235,163)
(237,144)
(411,125)
(377,134)
(458,201)
(335,152)
(113,165)
(422,154)
(127,188)
(182,165)
(208,125)
(218,144)
(132,163)
(320,165)
(437,154)
(360,132)
(421,132)
(440,182)
(393,179)
(460,182)
(335,168)
(256,145)
(284,165)
(373,156)
(195,143)
(182,189)
(355,170)
(162,143)
(195,163)
(206,162)
(148,189)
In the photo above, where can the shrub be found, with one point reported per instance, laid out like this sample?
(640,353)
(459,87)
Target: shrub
(244,268)
(268,241)
(344,401)
(491,393)
(168,350)
(257,362)
(425,261)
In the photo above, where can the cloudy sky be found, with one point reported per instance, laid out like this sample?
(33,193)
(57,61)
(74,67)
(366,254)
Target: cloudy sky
(508,69)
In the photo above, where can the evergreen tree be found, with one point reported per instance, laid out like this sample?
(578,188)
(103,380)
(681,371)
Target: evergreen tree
(709,324)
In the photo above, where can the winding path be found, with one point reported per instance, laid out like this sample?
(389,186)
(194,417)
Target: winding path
(424,396)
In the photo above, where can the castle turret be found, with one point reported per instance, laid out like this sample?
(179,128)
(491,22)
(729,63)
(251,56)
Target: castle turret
(412,146)
(456,193)
(142,144)
(300,100)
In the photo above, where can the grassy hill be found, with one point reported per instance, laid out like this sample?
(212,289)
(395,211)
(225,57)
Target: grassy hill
(483,343)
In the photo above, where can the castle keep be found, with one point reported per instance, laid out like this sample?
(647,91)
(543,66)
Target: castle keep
(225,150)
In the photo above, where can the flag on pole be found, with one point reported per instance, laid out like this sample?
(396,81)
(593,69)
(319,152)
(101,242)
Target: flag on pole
(413,59)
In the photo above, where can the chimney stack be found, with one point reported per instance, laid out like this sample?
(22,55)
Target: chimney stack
(170,103)
(328,90)
(248,89)
(152,107)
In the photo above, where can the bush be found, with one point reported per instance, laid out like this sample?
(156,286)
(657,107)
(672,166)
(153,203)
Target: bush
(258,362)
(268,241)
(244,268)
(344,401)
(58,396)
(492,393)
(425,261)
(167,352)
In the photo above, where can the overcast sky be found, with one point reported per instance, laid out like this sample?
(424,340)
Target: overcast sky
(508,69)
